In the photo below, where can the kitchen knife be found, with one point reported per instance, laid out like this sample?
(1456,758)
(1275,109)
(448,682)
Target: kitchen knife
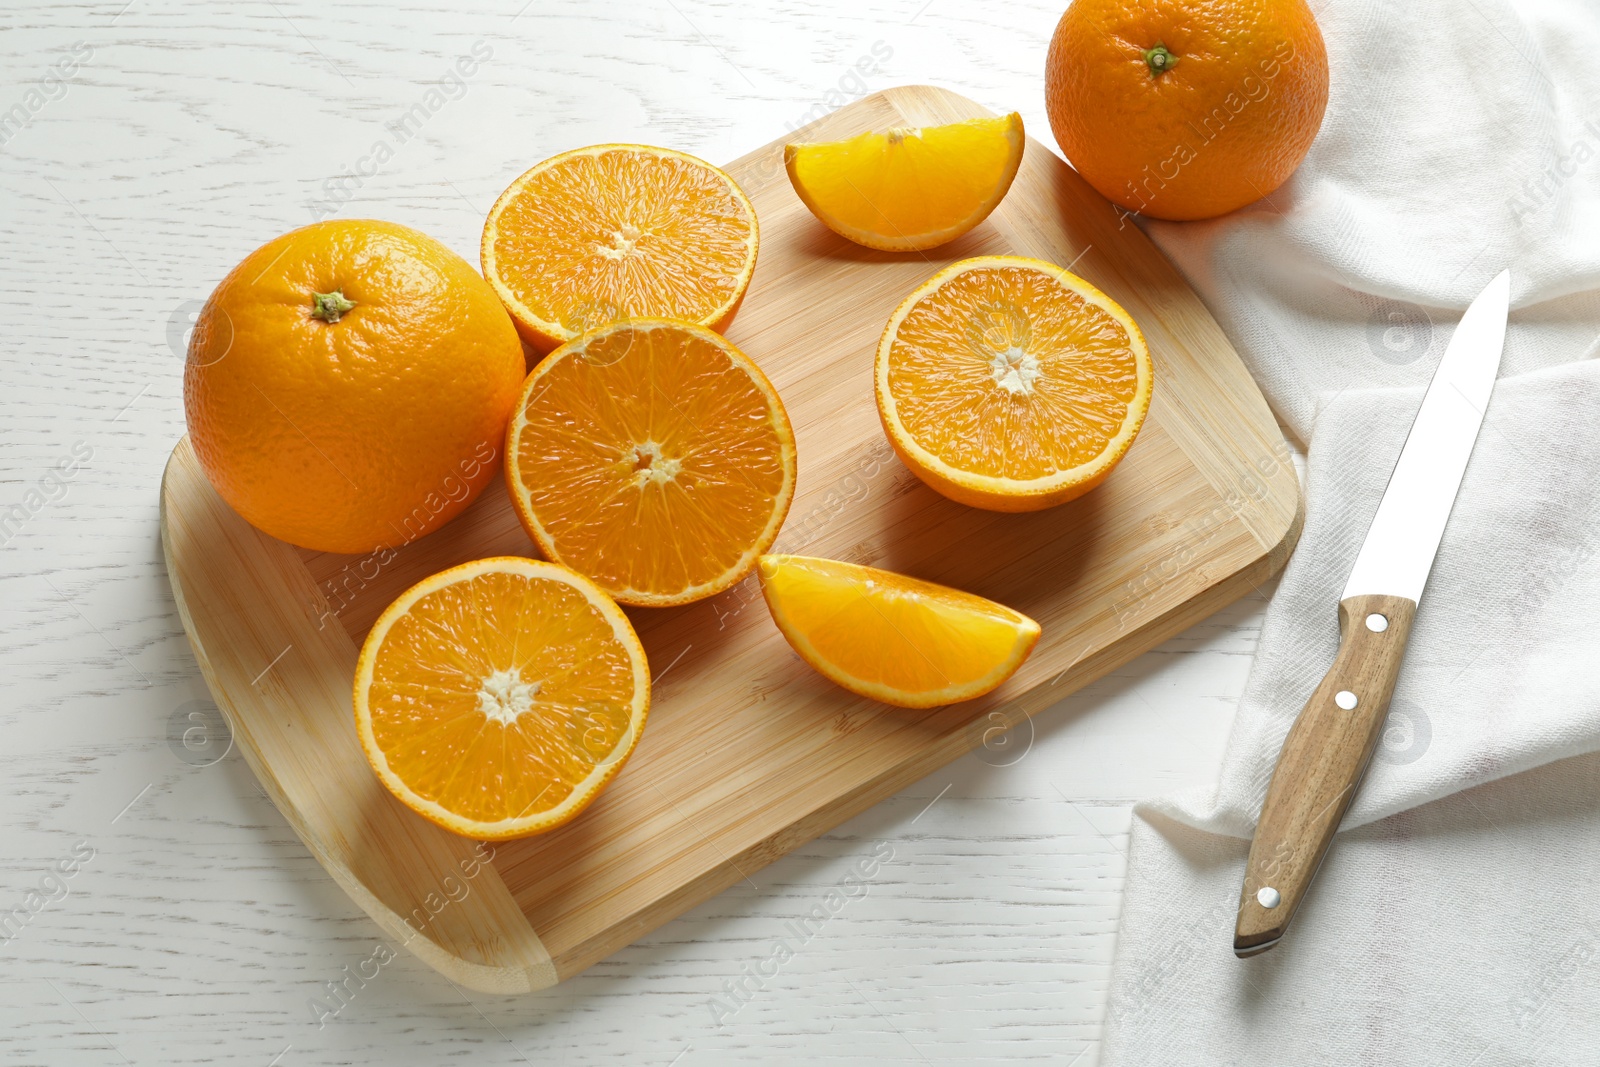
(1328,748)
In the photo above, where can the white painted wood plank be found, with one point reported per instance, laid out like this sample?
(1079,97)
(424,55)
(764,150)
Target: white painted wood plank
(199,929)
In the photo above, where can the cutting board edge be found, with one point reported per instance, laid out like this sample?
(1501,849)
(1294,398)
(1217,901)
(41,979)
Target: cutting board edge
(1274,527)
(834,811)
(1271,526)
(512,959)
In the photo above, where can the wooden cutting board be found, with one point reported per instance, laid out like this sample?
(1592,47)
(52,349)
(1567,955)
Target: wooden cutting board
(748,753)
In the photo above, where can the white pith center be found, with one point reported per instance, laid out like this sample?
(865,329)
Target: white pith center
(503,695)
(900,133)
(650,466)
(1014,371)
(623,242)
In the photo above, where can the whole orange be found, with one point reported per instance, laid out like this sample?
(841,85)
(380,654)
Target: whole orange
(348,385)
(1185,109)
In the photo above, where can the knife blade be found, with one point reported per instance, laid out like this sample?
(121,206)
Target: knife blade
(1330,745)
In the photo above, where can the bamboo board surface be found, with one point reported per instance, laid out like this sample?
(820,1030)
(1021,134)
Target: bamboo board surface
(748,753)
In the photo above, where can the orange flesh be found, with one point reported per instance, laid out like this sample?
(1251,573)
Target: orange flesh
(652,460)
(1004,371)
(891,637)
(497,696)
(595,236)
(909,188)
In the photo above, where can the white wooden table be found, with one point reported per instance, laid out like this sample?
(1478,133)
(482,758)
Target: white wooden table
(150,145)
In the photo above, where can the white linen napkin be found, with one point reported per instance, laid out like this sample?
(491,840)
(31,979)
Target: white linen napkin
(1456,919)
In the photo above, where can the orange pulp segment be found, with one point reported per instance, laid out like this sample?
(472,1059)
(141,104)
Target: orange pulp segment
(892,638)
(1011,384)
(911,187)
(612,231)
(498,698)
(654,457)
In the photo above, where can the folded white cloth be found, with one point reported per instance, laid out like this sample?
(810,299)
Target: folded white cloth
(1455,920)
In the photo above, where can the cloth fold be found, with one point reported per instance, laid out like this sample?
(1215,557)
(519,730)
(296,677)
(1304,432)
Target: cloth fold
(1453,917)
(1501,671)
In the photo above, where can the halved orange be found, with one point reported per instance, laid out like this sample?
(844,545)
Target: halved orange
(892,638)
(653,456)
(910,187)
(498,698)
(1011,384)
(614,231)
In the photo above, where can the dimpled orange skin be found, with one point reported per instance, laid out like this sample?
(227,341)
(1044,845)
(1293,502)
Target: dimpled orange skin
(364,433)
(1221,127)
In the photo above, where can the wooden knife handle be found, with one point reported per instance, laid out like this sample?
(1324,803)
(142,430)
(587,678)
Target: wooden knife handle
(1322,762)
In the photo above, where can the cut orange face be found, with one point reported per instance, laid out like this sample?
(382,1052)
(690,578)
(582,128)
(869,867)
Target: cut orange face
(498,698)
(1011,384)
(892,638)
(911,187)
(617,231)
(654,457)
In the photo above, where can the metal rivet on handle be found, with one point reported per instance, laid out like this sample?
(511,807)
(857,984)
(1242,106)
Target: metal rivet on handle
(1345,699)
(1377,623)
(1268,897)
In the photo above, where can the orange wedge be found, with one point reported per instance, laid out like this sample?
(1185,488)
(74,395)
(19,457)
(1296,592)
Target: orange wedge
(1011,384)
(892,638)
(654,457)
(618,230)
(498,698)
(911,187)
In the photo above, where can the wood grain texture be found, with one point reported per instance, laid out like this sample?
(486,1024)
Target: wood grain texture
(749,753)
(1323,760)
(203,924)
(246,599)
